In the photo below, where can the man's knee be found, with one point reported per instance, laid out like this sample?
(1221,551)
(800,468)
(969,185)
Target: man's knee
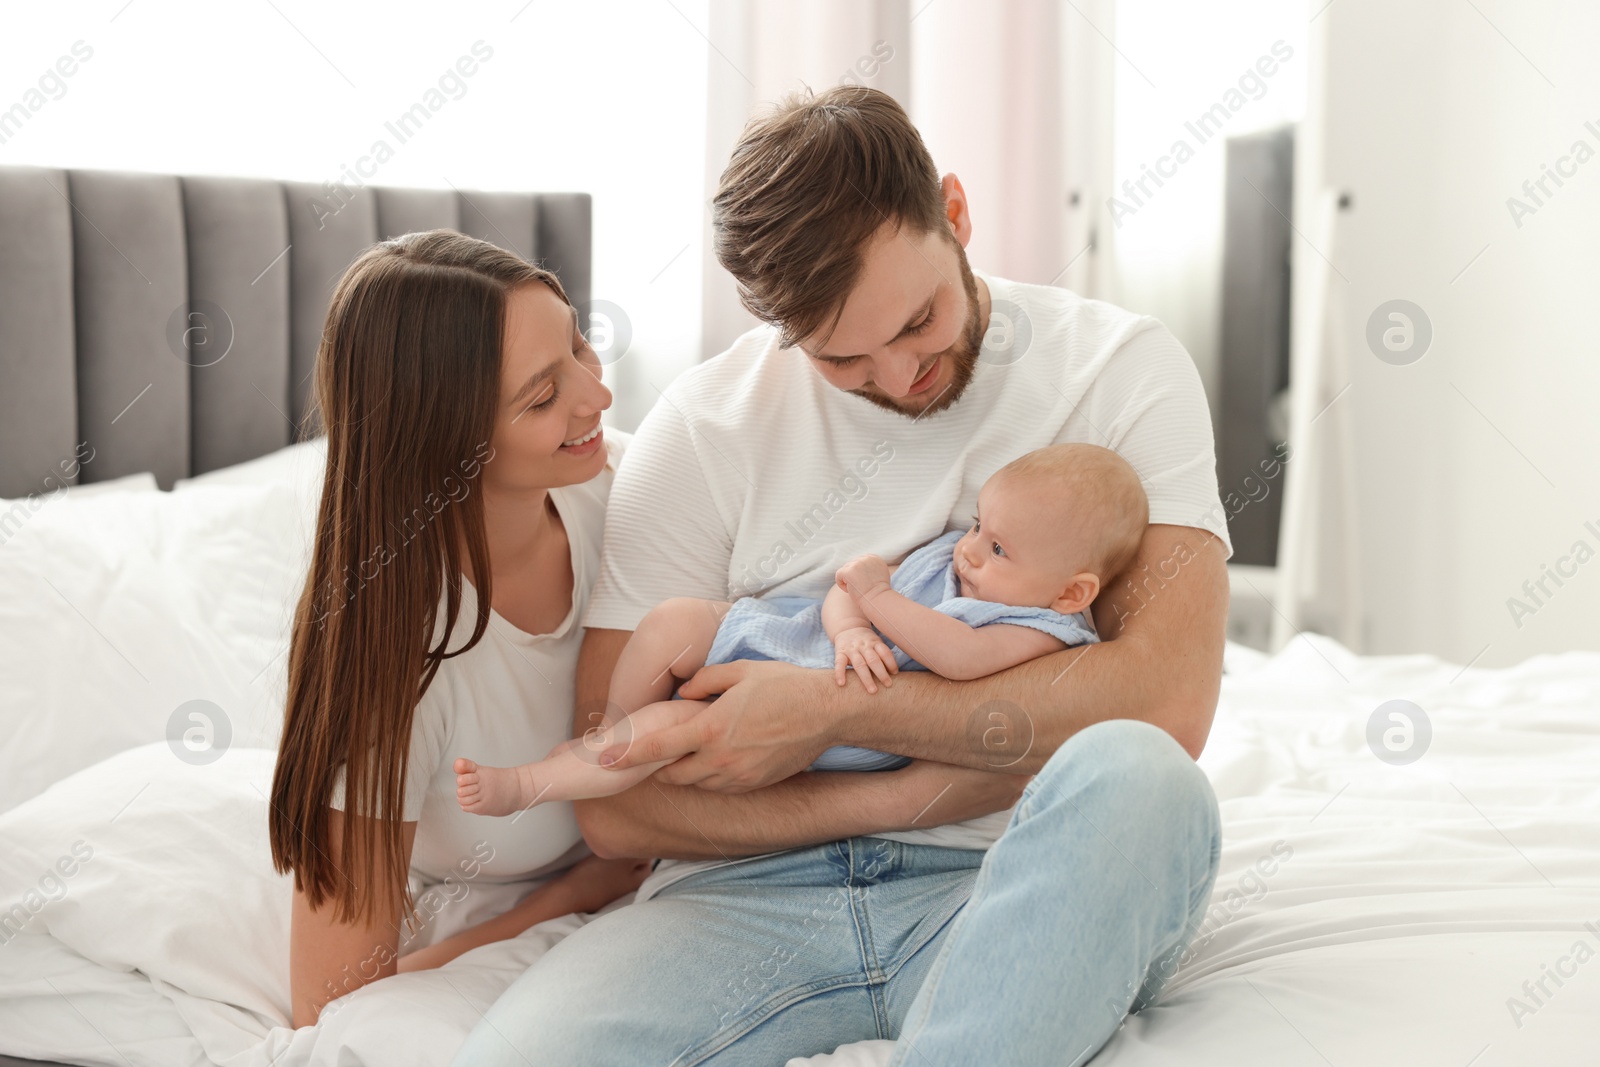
(1130,758)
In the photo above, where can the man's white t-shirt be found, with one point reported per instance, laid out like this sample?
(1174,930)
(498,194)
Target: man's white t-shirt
(506,701)
(752,475)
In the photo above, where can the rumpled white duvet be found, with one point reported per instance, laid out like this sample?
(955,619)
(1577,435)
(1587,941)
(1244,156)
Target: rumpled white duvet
(1442,912)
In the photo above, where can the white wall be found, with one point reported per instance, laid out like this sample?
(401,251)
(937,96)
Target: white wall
(607,97)
(1175,60)
(1475,466)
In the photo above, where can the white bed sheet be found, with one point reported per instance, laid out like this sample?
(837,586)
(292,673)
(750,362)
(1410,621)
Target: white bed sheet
(1413,903)
(168,942)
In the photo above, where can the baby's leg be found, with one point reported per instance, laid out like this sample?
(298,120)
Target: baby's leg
(572,770)
(670,644)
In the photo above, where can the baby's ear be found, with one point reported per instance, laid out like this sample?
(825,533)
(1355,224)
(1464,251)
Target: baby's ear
(1078,595)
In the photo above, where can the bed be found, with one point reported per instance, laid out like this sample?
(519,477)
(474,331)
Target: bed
(1441,911)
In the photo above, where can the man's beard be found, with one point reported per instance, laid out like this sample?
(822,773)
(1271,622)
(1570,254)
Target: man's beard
(963,356)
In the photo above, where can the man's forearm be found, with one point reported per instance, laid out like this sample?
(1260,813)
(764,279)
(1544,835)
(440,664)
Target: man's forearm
(685,822)
(1013,720)
(679,822)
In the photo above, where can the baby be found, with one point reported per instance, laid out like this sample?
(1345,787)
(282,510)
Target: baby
(1052,527)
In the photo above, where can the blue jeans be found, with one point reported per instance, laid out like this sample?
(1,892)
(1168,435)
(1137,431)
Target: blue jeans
(1030,953)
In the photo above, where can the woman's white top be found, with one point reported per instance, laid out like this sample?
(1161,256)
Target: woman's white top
(507,701)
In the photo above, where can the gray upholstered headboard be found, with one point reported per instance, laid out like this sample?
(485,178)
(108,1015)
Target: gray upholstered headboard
(171,323)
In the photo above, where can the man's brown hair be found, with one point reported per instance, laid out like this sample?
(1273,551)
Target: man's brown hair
(808,185)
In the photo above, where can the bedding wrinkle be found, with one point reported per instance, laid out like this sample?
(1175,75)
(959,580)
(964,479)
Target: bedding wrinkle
(1416,898)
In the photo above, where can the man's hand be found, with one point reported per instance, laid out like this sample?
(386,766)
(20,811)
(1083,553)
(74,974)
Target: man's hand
(863,576)
(864,650)
(770,722)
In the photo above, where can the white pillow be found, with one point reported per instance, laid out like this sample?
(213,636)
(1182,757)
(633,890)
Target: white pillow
(298,465)
(118,607)
(147,863)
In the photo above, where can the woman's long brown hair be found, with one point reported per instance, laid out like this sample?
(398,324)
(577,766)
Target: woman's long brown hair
(407,386)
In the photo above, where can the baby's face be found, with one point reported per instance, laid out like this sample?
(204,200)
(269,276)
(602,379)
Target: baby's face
(1011,556)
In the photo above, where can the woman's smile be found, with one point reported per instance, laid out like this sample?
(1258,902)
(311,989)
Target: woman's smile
(586,444)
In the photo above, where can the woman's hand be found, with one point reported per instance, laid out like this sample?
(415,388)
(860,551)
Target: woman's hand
(592,883)
(588,885)
(860,647)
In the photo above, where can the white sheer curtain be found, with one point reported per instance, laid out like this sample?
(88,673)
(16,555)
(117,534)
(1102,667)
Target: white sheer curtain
(760,52)
(1013,96)
(1318,583)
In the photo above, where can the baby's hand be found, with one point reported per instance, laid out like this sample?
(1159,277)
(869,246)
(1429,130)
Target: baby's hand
(861,647)
(863,576)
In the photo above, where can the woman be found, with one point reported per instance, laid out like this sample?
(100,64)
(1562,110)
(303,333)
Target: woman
(455,546)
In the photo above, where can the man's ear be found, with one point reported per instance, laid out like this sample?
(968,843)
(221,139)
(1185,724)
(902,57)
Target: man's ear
(1078,595)
(955,208)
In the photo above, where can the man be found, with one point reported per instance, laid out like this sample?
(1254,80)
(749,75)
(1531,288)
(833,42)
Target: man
(795,911)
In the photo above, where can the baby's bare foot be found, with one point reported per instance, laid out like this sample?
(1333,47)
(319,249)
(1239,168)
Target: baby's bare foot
(493,790)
